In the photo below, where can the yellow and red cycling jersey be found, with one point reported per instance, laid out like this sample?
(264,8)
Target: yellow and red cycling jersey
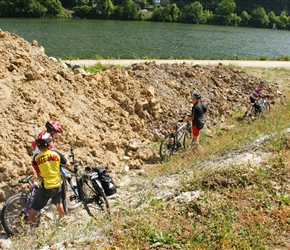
(49,162)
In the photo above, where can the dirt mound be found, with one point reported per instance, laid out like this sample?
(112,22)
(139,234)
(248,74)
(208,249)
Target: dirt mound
(107,115)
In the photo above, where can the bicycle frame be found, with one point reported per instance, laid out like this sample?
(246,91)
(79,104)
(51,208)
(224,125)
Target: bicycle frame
(258,107)
(180,131)
(172,141)
(16,209)
(89,188)
(31,194)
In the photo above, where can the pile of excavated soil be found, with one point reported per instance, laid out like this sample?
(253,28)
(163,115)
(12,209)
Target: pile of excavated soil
(106,115)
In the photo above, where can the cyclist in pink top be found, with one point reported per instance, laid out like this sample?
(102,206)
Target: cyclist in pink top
(255,95)
(53,128)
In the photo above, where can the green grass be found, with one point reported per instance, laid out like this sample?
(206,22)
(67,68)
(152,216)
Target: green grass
(99,67)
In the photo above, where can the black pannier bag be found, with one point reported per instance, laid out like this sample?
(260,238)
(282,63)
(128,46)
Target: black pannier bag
(106,181)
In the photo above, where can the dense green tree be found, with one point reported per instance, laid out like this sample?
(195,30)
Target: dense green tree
(157,14)
(276,6)
(193,13)
(130,10)
(22,8)
(259,18)
(225,13)
(282,20)
(226,8)
(168,13)
(104,9)
(245,17)
(143,3)
(272,17)
(53,7)
(84,11)
(126,11)
(174,13)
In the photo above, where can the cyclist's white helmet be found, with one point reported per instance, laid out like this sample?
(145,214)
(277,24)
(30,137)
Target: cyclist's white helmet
(43,139)
(263,82)
(196,95)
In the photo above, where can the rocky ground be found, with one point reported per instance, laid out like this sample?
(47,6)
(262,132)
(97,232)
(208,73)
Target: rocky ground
(107,115)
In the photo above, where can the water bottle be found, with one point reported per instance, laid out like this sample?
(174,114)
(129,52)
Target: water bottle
(35,184)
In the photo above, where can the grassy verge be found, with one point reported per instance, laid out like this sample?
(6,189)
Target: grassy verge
(244,206)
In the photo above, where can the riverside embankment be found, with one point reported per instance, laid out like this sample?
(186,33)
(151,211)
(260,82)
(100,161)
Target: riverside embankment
(239,63)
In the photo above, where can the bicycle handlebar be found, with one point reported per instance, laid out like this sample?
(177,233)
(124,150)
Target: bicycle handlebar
(264,96)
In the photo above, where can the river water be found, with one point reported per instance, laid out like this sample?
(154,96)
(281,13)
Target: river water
(109,39)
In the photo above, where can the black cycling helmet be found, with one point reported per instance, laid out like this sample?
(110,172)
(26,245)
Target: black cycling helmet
(196,95)
(263,82)
(43,139)
(53,126)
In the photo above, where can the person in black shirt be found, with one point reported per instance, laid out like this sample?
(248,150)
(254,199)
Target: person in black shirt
(196,116)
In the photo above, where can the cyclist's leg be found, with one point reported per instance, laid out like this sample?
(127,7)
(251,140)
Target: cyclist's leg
(39,202)
(195,133)
(250,108)
(56,198)
(60,209)
(32,215)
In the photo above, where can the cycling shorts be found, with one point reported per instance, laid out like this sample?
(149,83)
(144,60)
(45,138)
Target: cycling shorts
(252,100)
(195,130)
(43,195)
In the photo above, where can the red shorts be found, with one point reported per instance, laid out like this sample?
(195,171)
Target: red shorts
(195,130)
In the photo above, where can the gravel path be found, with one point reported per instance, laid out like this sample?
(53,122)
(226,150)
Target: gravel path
(246,63)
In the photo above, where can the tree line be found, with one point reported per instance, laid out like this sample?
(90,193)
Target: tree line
(216,12)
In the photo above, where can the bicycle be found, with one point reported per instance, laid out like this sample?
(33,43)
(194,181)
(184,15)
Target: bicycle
(260,107)
(70,194)
(16,209)
(171,143)
(89,190)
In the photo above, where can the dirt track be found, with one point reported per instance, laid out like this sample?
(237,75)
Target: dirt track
(246,63)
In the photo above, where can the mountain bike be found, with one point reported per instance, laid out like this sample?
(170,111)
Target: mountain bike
(89,190)
(260,107)
(172,142)
(70,195)
(16,209)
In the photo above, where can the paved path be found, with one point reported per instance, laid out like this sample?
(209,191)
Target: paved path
(240,63)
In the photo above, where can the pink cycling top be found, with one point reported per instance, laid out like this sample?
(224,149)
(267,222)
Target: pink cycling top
(256,93)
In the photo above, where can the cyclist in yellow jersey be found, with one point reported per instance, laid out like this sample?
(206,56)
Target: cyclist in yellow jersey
(52,127)
(48,162)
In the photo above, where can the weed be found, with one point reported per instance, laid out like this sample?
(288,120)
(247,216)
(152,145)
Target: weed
(70,57)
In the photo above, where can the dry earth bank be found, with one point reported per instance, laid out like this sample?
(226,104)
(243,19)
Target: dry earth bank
(107,115)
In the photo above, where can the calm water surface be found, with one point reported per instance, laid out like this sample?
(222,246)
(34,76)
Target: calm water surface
(126,39)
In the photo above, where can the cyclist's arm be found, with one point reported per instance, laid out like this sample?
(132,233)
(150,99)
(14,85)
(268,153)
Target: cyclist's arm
(64,161)
(189,118)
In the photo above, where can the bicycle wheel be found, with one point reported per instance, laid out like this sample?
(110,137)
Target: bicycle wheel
(266,108)
(95,200)
(257,112)
(14,214)
(188,139)
(72,196)
(167,147)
